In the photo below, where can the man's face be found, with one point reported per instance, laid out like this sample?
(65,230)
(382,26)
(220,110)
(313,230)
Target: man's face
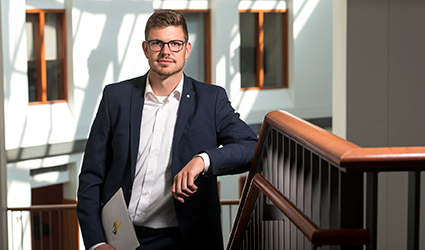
(165,62)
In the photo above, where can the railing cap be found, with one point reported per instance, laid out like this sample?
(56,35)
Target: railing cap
(44,207)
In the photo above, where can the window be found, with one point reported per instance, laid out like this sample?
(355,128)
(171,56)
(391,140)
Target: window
(45,31)
(198,65)
(263,59)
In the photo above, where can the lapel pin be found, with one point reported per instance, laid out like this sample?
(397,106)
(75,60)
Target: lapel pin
(188,96)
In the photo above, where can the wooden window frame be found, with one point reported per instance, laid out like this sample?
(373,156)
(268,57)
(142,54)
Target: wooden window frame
(259,50)
(41,61)
(207,27)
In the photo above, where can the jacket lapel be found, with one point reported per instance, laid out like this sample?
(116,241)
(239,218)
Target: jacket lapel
(186,102)
(136,109)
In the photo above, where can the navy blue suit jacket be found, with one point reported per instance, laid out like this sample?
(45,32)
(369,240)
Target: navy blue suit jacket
(205,121)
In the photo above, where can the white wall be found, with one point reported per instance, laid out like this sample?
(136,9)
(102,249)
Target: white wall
(3,161)
(379,78)
(107,44)
(25,125)
(312,34)
(105,47)
(15,68)
(310,63)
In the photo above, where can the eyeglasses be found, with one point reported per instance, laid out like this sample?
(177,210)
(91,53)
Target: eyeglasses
(174,45)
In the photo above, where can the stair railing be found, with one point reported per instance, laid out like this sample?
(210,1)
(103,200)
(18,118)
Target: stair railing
(318,186)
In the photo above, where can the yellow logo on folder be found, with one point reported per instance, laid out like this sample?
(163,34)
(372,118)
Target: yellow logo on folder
(116,226)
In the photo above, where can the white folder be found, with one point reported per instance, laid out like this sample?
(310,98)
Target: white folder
(118,228)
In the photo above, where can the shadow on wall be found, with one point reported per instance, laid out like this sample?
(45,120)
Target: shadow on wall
(116,52)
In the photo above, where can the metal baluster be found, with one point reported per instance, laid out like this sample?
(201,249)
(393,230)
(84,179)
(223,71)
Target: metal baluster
(413,215)
(69,231)
(292,189)
(22,230)
(372,208)
(325,196)
(50,229)
(41,228)
(230,216)
(300,191)
(60,228)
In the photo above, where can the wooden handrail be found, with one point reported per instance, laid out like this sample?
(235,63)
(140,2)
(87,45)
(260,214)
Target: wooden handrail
(344,154)
(317,139)
(314,234)
(229,202)
(51,226)
(384,159)
(44,207)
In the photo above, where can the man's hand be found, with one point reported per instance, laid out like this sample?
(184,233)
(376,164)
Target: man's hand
(184,182)
(104,247)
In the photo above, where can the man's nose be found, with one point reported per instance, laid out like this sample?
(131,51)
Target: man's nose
(166,49)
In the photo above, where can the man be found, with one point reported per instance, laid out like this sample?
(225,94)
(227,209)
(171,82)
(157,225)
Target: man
(164,138)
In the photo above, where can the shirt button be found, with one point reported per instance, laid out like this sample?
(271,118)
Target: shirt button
(145,193)
(150,173)
(155,150)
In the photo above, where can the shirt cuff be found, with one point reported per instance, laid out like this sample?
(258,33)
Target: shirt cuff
(94,247)
(207,162)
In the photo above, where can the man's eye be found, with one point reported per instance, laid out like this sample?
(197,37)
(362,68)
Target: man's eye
(176,43)
(156,43)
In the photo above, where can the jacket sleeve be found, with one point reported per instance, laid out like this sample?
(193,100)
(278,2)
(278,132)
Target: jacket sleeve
(236,139)
(92,176)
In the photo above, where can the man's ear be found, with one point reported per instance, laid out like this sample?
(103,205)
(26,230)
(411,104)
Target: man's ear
(145,48)
(188,50)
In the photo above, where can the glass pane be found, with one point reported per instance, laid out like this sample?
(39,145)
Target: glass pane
(54,72)
(195,64)
(32,28)
(273,50)
(248,43)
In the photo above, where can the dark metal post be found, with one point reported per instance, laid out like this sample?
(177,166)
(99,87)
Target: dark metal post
(40,219)
(413,210)
(372,208)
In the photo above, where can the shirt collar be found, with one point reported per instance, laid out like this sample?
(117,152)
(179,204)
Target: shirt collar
(176,93)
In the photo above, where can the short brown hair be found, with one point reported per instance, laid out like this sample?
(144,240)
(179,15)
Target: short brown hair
(165,18)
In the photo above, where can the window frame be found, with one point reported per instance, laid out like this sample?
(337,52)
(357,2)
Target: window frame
(40,52)
(259,48)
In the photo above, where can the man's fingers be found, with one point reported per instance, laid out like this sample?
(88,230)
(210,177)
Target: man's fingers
(191,181)
(188,184)
(179,198)
(176,189)
(176,184)
(182,187)
(104,247)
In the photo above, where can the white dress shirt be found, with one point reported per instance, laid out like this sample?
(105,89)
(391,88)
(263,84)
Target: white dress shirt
(151,203)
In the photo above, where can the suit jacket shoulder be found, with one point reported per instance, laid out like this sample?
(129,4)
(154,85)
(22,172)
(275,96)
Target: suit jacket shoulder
(126,85)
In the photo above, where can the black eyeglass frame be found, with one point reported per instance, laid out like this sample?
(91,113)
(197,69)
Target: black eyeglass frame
(163,44)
